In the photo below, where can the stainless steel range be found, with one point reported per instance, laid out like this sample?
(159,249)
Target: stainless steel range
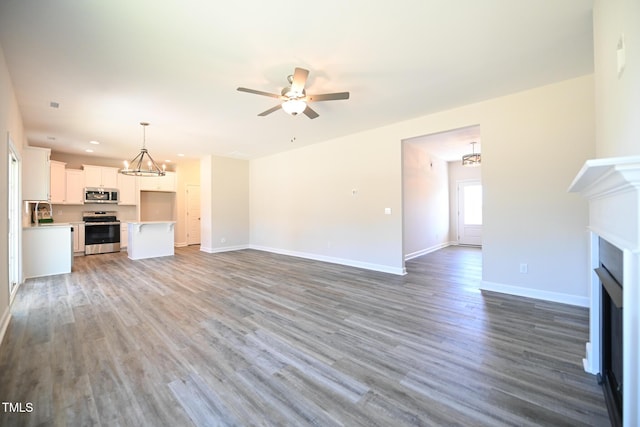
(101,232)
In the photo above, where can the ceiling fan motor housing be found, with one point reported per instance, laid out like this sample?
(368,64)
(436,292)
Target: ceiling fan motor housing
(287,92)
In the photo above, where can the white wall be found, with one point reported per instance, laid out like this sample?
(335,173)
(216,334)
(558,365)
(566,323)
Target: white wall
(158,206)
(206,214)
(327,201)
(224,202)
(187,173)
(533,143)
(425,200)
(617,97)
(10,124)
(457,173)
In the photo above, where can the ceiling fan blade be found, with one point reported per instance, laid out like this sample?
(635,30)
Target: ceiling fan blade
(328,96)
(299,79)
(310,113)
(270,110)
(259,92)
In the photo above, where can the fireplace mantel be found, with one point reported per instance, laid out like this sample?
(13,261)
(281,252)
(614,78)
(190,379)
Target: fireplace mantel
(612,188)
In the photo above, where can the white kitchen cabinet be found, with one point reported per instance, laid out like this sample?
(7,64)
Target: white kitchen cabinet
(58,182)
(74,187)
(158,183)
(36,173)
(78,237)
(100,176)
(124,235)
(127,189)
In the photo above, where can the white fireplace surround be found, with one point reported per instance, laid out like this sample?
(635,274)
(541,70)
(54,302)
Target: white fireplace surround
(612,187)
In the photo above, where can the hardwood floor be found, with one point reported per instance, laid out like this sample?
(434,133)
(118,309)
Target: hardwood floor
(250,338)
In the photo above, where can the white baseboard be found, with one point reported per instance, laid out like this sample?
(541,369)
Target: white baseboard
(223,249)
(535,293)
(589,362)
(333,260)
(421,252)
(4,322)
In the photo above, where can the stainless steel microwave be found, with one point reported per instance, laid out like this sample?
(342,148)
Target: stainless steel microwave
(101,195)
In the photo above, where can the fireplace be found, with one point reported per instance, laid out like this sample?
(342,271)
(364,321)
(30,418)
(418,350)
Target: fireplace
(611,328)
(612,189)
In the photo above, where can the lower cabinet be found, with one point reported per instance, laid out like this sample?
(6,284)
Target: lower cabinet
(124,235)
(78,237)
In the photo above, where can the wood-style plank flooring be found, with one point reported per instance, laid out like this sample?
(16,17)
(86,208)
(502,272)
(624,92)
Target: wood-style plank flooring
(250,338)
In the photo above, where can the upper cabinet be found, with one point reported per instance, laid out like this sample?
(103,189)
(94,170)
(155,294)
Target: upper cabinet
(158,183)
(67,185)
(100,176)
(75,187)
(127,189)
(58,182)
(36,173)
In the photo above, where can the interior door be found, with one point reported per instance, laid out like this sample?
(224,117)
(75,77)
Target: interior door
(470,213)
(193,214)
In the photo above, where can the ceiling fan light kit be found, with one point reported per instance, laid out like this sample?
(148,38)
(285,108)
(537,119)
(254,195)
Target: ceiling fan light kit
(294,98)
(136,166)
(473,159)
(294,106)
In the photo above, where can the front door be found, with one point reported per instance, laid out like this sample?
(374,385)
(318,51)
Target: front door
(470,213)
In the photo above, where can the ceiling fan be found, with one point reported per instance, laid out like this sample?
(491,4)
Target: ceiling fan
(294,98)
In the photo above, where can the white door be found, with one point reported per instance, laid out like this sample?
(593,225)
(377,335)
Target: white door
(470,213)
(193,214)
(14,216)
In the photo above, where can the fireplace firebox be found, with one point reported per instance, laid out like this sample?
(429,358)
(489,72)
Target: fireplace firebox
(610,274)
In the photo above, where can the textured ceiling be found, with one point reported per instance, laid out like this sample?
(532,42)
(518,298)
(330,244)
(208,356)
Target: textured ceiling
(112,64)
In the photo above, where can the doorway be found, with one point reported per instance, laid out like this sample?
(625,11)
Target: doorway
(14,219)
(432,168)
(193,214)
(470,212)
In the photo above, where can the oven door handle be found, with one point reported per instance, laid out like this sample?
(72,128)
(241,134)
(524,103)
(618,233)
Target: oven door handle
(101,223)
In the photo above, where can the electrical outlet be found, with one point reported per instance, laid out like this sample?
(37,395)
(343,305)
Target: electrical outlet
(223,240)
(524,268)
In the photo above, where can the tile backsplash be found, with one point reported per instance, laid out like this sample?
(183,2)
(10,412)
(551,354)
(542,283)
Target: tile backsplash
(73,213)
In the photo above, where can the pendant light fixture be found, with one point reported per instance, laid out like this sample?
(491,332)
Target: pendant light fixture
(472,160)
(140,166)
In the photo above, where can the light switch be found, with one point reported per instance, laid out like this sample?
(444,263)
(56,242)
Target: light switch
(387,211)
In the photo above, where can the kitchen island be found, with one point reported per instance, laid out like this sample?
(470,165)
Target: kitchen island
(150,239)
(47,249)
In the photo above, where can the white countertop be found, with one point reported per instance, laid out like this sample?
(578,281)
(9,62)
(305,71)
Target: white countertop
(47,225)
(151,222)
